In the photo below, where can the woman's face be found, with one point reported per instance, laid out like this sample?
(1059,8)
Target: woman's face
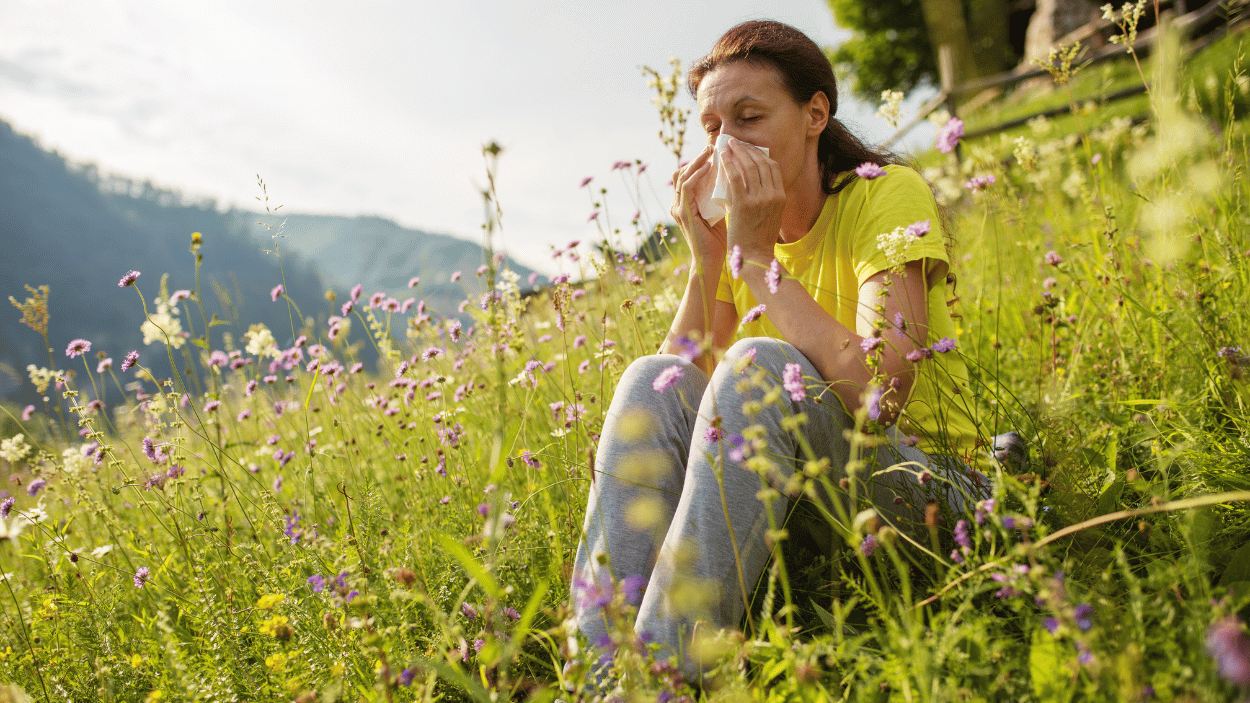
(749,101)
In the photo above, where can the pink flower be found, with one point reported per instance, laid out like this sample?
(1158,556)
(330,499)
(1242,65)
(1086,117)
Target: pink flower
(1230,647)
(412,282)
(277,292)
(792,381)
(141,576)
(128,279)
(1053,258)
(773,277)
(868,171)
(869,344)
(455,276)
(593,216)
(132,358)
(586,181)
(754,313)
(356,291)
(78,347)
(944,345)
(667,378)
(948,136)
(27,412)
(917,229)
(979,183)
(735,261)
(212,405)
(178,296)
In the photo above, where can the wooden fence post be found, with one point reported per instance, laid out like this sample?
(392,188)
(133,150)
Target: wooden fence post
(946,73)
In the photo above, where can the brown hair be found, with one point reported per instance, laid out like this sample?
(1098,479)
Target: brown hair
(805,69)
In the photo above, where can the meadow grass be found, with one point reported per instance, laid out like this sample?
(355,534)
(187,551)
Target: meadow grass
(277,523)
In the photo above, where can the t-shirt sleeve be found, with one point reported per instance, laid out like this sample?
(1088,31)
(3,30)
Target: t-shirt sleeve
(898,199)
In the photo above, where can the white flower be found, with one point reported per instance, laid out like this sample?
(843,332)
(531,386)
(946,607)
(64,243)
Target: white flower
(260,341)
(75,461)
(41,377)
(35,515)
(10,529)
(889,110)
(161,327)
(14,449)
(101,550)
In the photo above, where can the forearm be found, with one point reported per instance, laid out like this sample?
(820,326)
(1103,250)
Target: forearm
(834,349)
(695,315)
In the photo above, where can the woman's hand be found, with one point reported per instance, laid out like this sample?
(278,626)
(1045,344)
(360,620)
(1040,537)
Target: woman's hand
(757,199)
(706,242)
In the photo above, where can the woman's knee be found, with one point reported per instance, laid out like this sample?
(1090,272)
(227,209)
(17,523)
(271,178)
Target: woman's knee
(767,353)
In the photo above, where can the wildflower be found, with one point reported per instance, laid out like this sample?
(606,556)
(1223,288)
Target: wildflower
(976,184)
(412,282)
(868,545)
(14,449)
(269,600)
(128,279)
(754,313)
(6,507)
(33,488)
(713,434)
(141,576)
(889,110)
(579,341)
(868,171)
(586,181)
(667,378)
(943,345)
(1084,614)
(468,610)
(583,367)
(1051,625)
(948,136)
(277,292)
(149,448)
(77,347)
(917,229)
(243,415)
(347,308)
(212,406)
(376,299)
(407,676)
(593,216)
(455,276)
(511,613)
(27,412)
(1230,648)
(1053,258)
(178,296)
(869,344)
(735,261)
(792,381)
(961,534)
(773,277)
(431,353)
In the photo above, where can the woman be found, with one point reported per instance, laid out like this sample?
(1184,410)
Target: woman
(849,298)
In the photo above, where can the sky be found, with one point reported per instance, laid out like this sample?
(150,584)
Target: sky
(380,108)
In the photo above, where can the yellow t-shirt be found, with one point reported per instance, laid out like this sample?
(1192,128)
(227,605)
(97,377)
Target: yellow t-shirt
(839,253)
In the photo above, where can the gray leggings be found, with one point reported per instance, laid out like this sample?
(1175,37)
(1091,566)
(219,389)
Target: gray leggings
(672,510)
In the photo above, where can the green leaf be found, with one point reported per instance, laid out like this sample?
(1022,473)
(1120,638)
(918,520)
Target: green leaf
(1238,567)
(471,565)
(825,616)
(1109,499)
(1046,668)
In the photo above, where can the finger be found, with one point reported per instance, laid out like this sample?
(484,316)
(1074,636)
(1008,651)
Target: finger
(755,163)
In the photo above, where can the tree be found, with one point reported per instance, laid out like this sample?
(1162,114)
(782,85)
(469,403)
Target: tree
(893,47)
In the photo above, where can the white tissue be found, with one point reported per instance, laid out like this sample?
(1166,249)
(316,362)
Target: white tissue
(713,198)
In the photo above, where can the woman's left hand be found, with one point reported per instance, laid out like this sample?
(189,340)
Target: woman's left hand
(757,199)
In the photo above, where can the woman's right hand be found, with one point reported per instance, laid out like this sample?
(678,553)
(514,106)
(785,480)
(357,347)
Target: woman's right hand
(706,242)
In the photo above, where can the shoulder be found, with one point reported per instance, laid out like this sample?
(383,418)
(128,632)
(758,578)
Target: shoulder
(897,181)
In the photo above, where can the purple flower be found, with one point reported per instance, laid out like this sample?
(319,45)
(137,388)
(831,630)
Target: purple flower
(586,181)
(141,576)
(1053,258)
(632,587)
(1084,614)
(868,545)
(178,296)
(318,583)
(468,610)
(713,434)
(35,486)
(212,405)
(735,261)
(948,136)
(873,403)
(1229,646)
(976,184)
(773,277)
(917,354)
(754,313)
(27,413)
(962,537)
(792,381)
(1051,625)
(6,507)
(869,344)
(511,613)
(943,345)
(77,348)
(406,677)
(483,509)
(667,378)
(917,229)
(131,359)
(455,276)
(277,292)
(128,280)
(277,482)
(868,171)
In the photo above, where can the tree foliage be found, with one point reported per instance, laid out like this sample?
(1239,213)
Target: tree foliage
(890,48)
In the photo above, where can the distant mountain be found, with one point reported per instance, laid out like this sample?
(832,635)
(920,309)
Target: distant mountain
(77,231)
(381,255)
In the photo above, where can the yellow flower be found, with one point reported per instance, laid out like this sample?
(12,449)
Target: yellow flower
(275,661)
(136,660)
(267,602)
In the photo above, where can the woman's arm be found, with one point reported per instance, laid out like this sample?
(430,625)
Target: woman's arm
(837,351)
